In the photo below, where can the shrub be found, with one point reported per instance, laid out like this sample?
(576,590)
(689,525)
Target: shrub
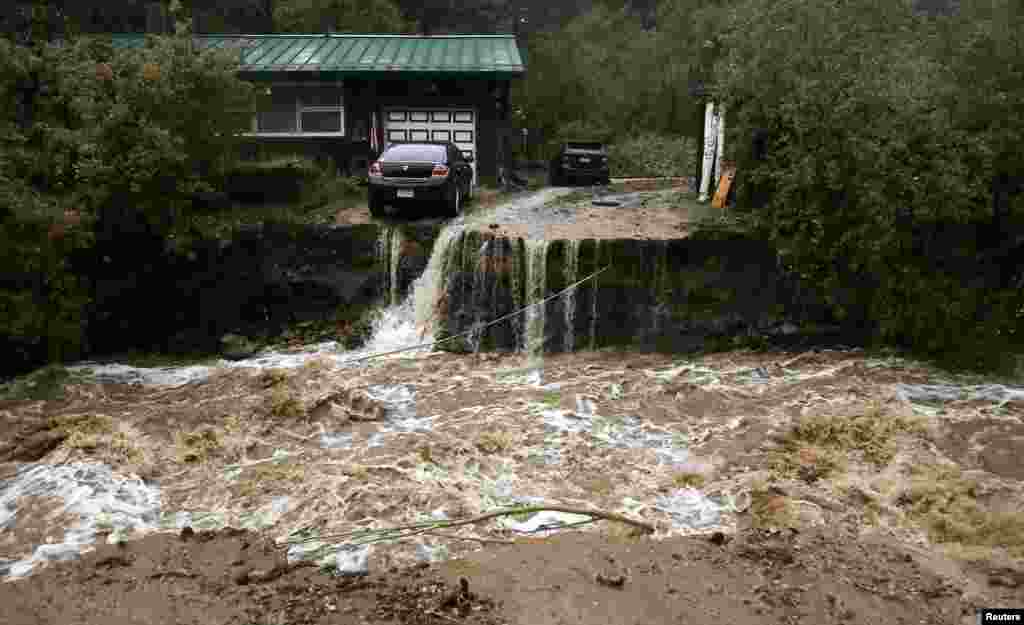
(125,136)
(651,155)
(868,168)
(277,180)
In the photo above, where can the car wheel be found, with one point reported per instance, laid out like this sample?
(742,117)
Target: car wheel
(376,205)
(555,179)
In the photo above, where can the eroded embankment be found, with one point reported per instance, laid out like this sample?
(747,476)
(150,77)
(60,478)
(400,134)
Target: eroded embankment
(665,295)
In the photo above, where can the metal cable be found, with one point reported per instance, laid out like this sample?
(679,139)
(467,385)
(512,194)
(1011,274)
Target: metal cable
(477,327)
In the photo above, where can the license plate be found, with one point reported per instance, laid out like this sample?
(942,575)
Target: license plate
(404,193)
(584,159)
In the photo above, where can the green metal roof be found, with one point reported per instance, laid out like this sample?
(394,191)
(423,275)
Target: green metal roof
(376,56)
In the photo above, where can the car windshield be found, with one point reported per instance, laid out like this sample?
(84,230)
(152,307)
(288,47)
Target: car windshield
(584,145)
(411,152)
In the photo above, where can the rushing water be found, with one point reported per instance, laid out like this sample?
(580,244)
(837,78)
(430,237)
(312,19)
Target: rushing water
(572,251)
(536,288)
(389,250)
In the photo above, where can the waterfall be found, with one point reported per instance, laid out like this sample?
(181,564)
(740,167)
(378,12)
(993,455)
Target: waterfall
(475,262)
(427,294)
(389,252)
(593,298)
(536,289)
(572,257)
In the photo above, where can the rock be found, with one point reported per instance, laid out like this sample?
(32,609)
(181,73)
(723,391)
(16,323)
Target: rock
(236,347)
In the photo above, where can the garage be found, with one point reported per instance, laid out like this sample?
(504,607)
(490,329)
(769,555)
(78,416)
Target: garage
(433,124)
(344,96)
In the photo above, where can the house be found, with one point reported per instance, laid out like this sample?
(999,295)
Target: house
(330,92)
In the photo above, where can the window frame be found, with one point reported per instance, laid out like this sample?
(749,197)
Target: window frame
(300,109)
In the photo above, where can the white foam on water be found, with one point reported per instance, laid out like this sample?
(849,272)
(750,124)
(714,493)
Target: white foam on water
(536,289)
(624,433)
(389,250)
(996,393)
(690,509)
(353,559)
(572,251)
(147,376)
(101,499)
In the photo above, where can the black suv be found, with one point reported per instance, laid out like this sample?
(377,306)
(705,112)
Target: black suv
(420,172)
(580,159)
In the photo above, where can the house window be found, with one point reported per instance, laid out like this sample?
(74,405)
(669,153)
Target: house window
(295,110)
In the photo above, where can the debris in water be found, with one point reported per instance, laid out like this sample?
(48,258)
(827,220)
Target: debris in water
(690,509)
(353,560)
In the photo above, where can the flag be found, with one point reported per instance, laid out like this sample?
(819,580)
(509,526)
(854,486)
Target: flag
(374,141)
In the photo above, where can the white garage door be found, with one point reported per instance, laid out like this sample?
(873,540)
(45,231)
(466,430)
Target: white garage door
(434,124)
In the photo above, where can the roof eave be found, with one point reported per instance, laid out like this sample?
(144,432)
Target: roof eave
(269,75)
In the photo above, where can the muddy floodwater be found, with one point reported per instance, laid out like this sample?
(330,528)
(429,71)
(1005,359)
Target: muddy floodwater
(782,487)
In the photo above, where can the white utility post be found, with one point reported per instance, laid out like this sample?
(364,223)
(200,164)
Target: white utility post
(710,139)
(719,146)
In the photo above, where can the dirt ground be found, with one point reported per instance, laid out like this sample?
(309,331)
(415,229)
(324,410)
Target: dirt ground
(850,503)
(655,209)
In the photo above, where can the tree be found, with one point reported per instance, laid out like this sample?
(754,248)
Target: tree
(873,161)
(89,134)
(343,16)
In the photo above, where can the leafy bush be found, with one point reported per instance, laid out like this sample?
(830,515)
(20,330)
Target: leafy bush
(873,156)
(651,155)
(88,132)
(279,179)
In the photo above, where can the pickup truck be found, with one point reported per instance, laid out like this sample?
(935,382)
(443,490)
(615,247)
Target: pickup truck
(577,160)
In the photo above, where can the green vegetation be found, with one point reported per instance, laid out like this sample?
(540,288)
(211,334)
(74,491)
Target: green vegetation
(346,16)
(283,405)
(87,134)
(688,479)
(945,502)
(197,446)
(651,155)
(879,163)
(494,441)
(817,447)
(257,477)
(769,509)
(269,378)
(85,432)
(46,383)
(885,131)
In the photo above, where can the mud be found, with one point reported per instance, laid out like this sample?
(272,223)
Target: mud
(696,446)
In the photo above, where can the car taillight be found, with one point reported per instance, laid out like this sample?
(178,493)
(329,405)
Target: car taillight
(375,169)
(440,171)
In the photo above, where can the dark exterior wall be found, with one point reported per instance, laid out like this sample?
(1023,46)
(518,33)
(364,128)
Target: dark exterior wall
(342,151)
(351,153)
